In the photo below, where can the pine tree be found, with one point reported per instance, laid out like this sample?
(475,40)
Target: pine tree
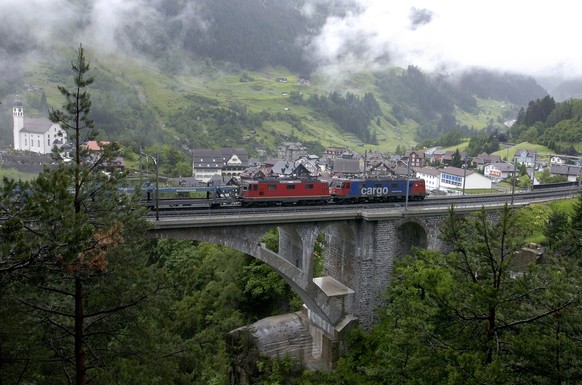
(81,239)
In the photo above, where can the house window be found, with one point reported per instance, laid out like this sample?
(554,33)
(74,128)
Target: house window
(48,141)
(26,142)
(38,141)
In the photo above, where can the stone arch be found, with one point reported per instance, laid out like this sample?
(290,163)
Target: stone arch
(248,241)
(411,233)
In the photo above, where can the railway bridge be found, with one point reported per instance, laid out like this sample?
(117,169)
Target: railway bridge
(360,246)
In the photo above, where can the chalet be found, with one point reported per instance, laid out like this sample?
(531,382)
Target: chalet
(334,152)
(416,158)
(95,149)
(117,163)
(571,172)
(403,169)
(348,167)
(483,159)
(35,134)
(526,157)
(381,168)
(225,162)
(447,158)
(557,160)
(499,171)
(436,156)
(291,151)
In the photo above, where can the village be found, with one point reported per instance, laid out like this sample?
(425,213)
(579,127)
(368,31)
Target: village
(435,166)
(444,171)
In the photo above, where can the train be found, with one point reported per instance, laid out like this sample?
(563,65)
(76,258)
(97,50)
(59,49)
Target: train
(270,192)
(259,193)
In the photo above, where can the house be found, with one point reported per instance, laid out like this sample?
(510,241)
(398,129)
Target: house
(117,163)
(416,158)
(447,158)
(555,159)
(499,171)
(381,168)
(483,159)
(310,164)
(286,169)
(291,151)
(348,167)
(437,156)
(35,134)
(526,157)
(571,172)
(403,169)
(225,162)
(334,152)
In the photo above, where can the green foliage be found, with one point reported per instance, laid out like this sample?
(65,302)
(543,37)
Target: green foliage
(351,113)
(482,143)
(473,316)
(555,125)
(537,111)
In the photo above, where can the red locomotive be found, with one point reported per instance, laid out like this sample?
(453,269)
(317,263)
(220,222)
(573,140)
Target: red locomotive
(283,192)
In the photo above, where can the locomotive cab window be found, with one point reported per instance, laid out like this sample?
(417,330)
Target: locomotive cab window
(290,187)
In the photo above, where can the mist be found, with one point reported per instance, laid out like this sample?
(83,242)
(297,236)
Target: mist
(353,35)
(532,39)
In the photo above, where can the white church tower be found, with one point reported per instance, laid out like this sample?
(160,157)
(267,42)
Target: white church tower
(18,116)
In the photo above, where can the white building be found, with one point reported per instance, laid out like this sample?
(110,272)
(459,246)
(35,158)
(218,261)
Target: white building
(230,162)
(35,134)
(431,176)
(459,178)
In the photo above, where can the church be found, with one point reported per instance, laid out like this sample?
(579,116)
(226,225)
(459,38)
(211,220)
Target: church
(35,134)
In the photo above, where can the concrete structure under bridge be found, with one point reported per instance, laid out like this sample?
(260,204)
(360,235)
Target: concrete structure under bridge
(359,251)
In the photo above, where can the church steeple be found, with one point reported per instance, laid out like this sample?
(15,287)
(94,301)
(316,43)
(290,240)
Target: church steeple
(18,117)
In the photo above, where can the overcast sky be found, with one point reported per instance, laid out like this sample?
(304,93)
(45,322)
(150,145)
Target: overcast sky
(533,38)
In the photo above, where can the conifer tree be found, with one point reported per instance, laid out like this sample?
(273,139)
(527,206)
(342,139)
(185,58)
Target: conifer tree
(80,239)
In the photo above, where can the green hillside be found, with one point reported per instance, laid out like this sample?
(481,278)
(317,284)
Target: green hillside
(141,104)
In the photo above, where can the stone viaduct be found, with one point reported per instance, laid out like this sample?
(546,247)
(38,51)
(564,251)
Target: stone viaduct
(360,246)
